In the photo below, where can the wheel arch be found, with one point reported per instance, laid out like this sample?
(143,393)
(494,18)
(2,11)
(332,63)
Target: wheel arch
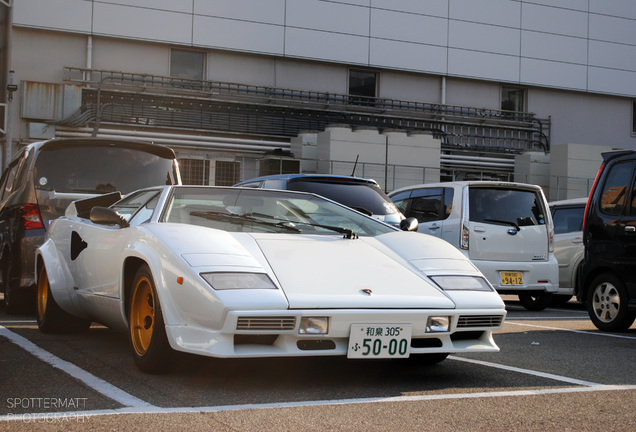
(131,265)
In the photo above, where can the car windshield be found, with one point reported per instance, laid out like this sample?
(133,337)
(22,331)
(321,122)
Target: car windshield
(258,210)
(98,169)
(360,196)
(506,207)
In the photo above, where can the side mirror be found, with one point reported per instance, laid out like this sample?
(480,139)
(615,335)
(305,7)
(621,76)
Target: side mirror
(409,224)
(107,216)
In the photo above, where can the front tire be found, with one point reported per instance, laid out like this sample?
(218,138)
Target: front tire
(607,304)
(50,316)
(537,301)
(148,340)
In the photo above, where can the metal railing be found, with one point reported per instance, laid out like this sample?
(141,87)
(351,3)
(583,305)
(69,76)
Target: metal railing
(161,101)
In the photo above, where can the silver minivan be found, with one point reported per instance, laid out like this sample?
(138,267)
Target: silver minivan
(504,228)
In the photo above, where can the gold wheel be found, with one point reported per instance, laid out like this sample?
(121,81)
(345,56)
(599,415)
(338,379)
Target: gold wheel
(43,293)
(142,316)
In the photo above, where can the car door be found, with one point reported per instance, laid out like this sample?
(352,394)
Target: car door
(96,257)
(568,241)
(430,206)
(617,211)
(508,224)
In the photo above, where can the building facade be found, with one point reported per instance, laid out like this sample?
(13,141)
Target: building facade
(403,91)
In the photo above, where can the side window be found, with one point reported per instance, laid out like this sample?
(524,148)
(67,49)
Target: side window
(7,181)
(633,206)
(568,219)
(615,189)
(431,204)
(401,201)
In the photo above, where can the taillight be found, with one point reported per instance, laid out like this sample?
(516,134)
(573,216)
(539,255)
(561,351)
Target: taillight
(30,216)
(589,198)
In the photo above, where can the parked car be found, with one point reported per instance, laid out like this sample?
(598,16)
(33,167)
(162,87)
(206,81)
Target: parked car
(237,272)
(567,216)
(504,228)
(608,276)
(41,181)
(361,194)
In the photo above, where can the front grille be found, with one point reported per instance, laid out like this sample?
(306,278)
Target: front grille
(469,321)
(266,323)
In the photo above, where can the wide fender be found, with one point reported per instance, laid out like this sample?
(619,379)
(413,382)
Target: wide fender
(163,273)
(60,278)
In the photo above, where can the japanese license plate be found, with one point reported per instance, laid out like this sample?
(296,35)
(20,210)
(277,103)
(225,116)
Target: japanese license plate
(380,340)
(511,278)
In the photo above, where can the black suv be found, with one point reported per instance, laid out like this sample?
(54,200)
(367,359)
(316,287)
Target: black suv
(608,272)
(45,177)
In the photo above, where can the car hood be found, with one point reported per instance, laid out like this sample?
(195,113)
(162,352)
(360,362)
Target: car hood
(334,272)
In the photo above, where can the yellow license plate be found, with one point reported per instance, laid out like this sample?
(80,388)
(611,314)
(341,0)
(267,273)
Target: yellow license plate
(511,278)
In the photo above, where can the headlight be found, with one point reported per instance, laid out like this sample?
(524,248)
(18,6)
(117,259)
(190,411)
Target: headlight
(465,283)
(227,281)
(314,325)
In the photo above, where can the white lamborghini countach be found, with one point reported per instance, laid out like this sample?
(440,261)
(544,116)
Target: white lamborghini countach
(237,272)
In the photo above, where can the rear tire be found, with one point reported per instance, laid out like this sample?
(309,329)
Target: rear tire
(536,301)
(50,316)
(147,331)
(560,299)
(607,304)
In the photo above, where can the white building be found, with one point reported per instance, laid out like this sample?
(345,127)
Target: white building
(404,91)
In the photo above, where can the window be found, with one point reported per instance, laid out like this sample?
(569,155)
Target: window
(227,173)
(364,85)
(195,171)
(187,64)
(615,189)
(505,207)
(633,117)
(568,219)
(512,99)
(427,204)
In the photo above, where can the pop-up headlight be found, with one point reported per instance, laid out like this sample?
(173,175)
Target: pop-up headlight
(465,283)
(237,280)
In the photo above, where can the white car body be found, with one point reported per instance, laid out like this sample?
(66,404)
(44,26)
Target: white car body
(519,244)
(371,280)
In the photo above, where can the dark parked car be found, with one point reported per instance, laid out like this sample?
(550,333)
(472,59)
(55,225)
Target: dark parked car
(608,272)
(43,179)
(364,195)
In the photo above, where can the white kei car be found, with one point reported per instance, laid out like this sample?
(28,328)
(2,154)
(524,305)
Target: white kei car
(238,272)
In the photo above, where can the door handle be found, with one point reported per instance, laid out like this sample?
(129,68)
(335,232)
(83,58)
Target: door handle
(630,229)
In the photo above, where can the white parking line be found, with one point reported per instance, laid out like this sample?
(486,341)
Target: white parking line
(333,402)
(95,383)
(527,372)
(133,405)
(587,332)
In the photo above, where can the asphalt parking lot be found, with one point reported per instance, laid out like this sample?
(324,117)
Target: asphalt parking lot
(555,371)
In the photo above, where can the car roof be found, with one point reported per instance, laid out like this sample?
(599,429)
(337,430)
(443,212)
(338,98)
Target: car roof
(310,176)
(569,201)
(496,183)
(607,156)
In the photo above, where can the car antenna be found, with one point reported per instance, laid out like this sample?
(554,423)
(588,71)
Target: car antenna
(354,165)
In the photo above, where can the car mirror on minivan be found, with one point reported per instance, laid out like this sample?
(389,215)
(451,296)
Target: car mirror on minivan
(409,224)
(107,216)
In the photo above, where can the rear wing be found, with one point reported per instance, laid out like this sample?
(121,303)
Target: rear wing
(82,208)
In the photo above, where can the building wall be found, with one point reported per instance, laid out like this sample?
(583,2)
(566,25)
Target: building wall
(583,45)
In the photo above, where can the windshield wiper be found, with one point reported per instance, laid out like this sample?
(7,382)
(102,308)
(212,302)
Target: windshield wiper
(514,224)
(231,217)
(349,234)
